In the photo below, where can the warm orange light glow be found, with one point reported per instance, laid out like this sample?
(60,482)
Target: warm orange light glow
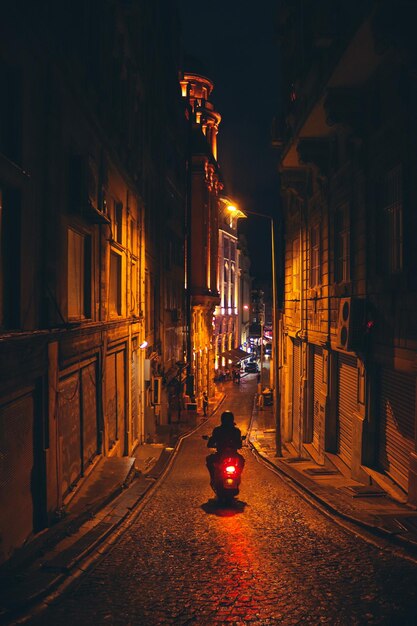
(183,84)
(235,211)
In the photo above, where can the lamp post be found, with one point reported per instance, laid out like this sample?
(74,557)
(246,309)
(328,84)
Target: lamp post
(275,352)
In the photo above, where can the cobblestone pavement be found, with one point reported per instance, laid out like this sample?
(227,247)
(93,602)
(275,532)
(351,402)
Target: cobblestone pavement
(271,559)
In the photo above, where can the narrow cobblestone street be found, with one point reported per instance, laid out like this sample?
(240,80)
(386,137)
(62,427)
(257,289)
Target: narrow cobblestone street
(271,559)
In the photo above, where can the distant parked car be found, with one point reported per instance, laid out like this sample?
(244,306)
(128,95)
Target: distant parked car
(251,368)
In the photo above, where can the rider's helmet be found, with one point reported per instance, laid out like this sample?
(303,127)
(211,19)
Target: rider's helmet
(227,418)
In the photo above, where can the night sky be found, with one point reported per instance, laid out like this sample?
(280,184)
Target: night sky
(236,41)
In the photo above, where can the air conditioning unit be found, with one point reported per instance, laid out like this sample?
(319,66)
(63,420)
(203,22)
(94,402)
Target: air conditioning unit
(350,326)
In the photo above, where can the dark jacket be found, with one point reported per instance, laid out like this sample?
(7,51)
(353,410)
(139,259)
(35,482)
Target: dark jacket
(224,437)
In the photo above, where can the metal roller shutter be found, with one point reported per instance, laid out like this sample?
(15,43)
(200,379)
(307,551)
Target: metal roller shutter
(69,430)
(115,398)
(347,395)
(135,396)
(397,419)
(111,403)
(121,401)
(317,382)
(89,413)
(16,472)
(296,392)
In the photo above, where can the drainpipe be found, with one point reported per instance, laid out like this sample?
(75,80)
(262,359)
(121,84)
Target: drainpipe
(300,330)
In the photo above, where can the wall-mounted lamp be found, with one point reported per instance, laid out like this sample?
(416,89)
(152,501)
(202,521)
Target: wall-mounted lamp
(143,345)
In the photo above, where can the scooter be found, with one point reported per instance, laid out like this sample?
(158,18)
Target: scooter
(227,474)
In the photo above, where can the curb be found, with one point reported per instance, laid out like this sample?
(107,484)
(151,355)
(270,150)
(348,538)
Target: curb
(326,507)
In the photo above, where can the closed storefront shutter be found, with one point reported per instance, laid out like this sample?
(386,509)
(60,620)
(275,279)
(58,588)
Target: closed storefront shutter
(296,392)
(69,430)
(135,396)
(111,407)
(78,423)
(89,414)
(16,472)
(317,382)
(396,428)
(115,398)
(121,395)
(347,395)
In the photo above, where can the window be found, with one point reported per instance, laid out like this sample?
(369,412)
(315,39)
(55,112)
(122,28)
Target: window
(133,238)
(390,222)
(117,219)
(10,113)
(78,283)
(149,302)
(296,265)
(115,287)
(226,272)
(342,244)
(232,286)
(133,288)
(9,259)
(226,248)
(233,251)
(315,256)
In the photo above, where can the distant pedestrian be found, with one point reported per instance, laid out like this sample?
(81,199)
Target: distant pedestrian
(205,403)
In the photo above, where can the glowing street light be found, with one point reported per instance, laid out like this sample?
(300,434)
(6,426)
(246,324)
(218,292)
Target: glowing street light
(236,212)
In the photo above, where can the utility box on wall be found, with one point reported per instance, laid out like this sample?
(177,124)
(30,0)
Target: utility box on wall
(156,390)
(147,370)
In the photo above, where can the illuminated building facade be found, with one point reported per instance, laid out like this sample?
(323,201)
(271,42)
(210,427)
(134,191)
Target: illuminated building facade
(84,188)
(245,289)
(226,315)
(204,186)
(349,338)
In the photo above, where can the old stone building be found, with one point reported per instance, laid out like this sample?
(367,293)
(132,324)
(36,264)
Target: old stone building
(227,315)
(349,335)
(92,227)
(204,186)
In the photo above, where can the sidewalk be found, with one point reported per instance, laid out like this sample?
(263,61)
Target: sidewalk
(96,511)
(368,506)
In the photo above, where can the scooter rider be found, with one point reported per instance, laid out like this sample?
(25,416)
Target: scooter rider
(224,437)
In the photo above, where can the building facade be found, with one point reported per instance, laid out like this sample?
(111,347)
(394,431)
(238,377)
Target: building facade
(245,289)
(348,343)
(84,187)
(204,187)
(227,312)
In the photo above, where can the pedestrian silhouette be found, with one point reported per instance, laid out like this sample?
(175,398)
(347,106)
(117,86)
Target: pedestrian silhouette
(205,403)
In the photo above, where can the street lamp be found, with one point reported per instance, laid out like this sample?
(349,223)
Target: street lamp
(276,390)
